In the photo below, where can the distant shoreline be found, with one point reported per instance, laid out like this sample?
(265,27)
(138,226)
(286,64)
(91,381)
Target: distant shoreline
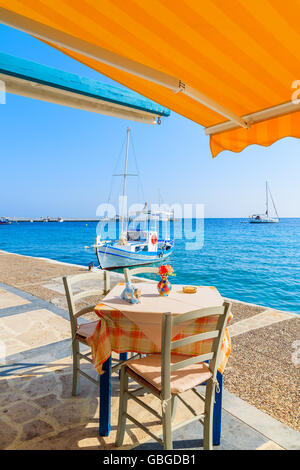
(38,220)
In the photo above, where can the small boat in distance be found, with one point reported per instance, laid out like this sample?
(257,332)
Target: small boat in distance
(4,221)
(138,245)
(265,218)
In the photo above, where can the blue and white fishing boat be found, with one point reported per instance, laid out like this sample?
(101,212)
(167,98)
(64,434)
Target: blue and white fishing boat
(138,246)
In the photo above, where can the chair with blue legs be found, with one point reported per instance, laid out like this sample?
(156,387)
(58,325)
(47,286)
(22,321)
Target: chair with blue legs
(99,286)
(128,273)
(168,375)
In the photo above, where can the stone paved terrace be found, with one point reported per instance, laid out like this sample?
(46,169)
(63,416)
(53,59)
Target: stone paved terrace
(37,410)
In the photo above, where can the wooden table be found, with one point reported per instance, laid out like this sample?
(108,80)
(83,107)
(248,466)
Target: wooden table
(146,317)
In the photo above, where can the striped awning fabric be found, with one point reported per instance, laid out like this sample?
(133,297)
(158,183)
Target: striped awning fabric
(212,61)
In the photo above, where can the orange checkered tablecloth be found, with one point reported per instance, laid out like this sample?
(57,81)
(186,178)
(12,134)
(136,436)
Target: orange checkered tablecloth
(116,332)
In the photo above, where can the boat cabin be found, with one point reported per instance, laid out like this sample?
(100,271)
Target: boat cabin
(142,241)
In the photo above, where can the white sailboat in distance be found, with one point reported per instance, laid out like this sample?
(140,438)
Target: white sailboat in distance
(265,218)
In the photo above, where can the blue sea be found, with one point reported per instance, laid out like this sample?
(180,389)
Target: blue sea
(257,263)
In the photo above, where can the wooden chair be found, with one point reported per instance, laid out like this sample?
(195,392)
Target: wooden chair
(80,333)
(167,376)
(128,273)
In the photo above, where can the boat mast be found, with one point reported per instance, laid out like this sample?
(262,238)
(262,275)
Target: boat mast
(267,202)
(273,203)
(124,179)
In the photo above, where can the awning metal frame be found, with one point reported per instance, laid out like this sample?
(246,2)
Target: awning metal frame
(254,118)
(80,46)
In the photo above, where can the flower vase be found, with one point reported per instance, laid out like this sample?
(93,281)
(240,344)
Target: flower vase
(164,286)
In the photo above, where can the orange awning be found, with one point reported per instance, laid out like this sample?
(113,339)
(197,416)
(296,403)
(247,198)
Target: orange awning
(212,61)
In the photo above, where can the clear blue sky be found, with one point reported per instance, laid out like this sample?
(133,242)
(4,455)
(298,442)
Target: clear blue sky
(58,161)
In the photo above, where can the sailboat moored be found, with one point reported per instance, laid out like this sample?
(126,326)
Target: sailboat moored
(265,218)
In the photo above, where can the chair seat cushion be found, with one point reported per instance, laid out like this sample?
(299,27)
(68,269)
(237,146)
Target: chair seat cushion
(85,330)
(149,369)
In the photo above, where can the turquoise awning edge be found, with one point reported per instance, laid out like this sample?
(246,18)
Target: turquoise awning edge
(52,77)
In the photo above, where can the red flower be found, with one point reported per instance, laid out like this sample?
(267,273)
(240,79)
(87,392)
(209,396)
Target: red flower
(166,270)
(163,269)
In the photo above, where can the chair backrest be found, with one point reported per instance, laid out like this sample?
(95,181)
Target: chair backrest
(103,277)
(217,335)
(128,273)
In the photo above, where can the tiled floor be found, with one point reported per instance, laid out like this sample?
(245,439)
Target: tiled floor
(8,299)
(236,435)
(38,411)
